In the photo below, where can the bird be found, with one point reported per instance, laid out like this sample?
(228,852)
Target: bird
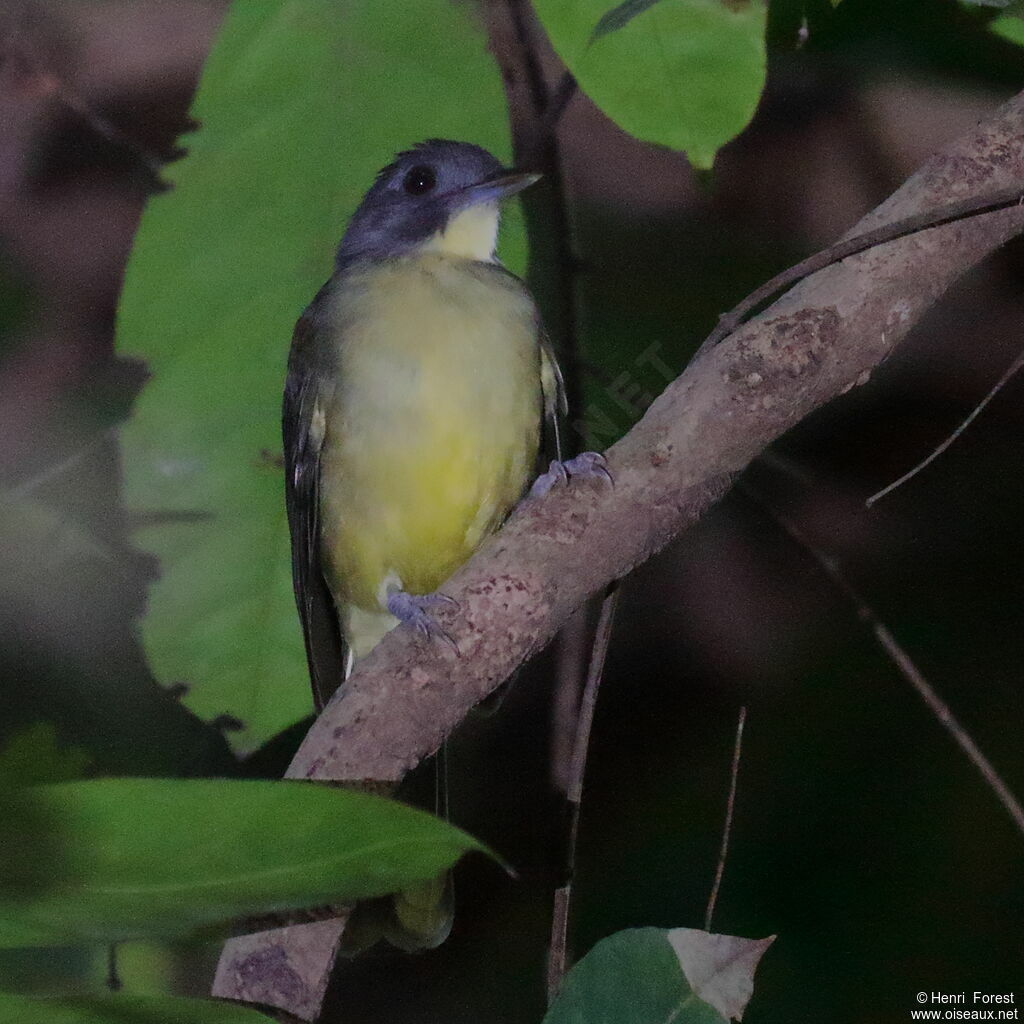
(420,385)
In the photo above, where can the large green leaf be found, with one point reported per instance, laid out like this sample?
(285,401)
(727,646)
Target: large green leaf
(687,74)
(33,755)
(300,103)
(1010,26)
(113,859)
(652,976)
(123,1009)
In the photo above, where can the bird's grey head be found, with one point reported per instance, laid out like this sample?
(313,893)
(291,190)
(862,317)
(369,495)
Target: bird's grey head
(416,199)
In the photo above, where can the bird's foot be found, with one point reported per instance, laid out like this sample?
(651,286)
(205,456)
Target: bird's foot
(414,609)
(586,464)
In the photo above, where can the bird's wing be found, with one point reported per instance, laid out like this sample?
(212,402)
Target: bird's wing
(303,430)
(556,405)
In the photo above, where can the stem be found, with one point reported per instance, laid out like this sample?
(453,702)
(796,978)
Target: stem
(558,957)
(730,807)
(931,218)
(899,657)
(975,412)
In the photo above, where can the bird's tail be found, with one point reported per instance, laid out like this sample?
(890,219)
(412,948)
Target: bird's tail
(417,918)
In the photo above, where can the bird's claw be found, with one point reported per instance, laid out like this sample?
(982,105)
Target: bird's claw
(586,464)
(414,610)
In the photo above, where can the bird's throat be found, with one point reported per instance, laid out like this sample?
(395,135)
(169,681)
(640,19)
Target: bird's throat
(471,234)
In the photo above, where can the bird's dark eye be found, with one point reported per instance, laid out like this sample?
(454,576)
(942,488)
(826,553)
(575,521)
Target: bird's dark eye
(420,180)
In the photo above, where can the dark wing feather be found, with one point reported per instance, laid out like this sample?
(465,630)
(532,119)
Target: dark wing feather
(309,370)
(556,405)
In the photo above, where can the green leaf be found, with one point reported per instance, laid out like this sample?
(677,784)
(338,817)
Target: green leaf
(301,102)
(113,859)
(620,16)
(33,755)
(1009,26)
(123,1009)
(687,74)
(719,968)
(652,976)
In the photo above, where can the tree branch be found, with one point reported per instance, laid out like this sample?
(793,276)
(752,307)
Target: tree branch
(819,340)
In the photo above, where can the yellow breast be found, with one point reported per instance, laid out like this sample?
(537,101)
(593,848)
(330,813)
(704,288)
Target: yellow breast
(432,433)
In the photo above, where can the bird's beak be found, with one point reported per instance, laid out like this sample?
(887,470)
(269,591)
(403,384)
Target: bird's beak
(501,187)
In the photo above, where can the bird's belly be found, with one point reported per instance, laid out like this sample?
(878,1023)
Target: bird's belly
(430,440)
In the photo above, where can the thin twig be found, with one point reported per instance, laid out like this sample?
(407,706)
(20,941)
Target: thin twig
(931,218)
(44,476)
(558,101)
(945,716)
(975,412)
(588,699)
(902,661)
(537,147)
(730,806)
(21,47)
(572,653)
(520,15)
(558,955)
